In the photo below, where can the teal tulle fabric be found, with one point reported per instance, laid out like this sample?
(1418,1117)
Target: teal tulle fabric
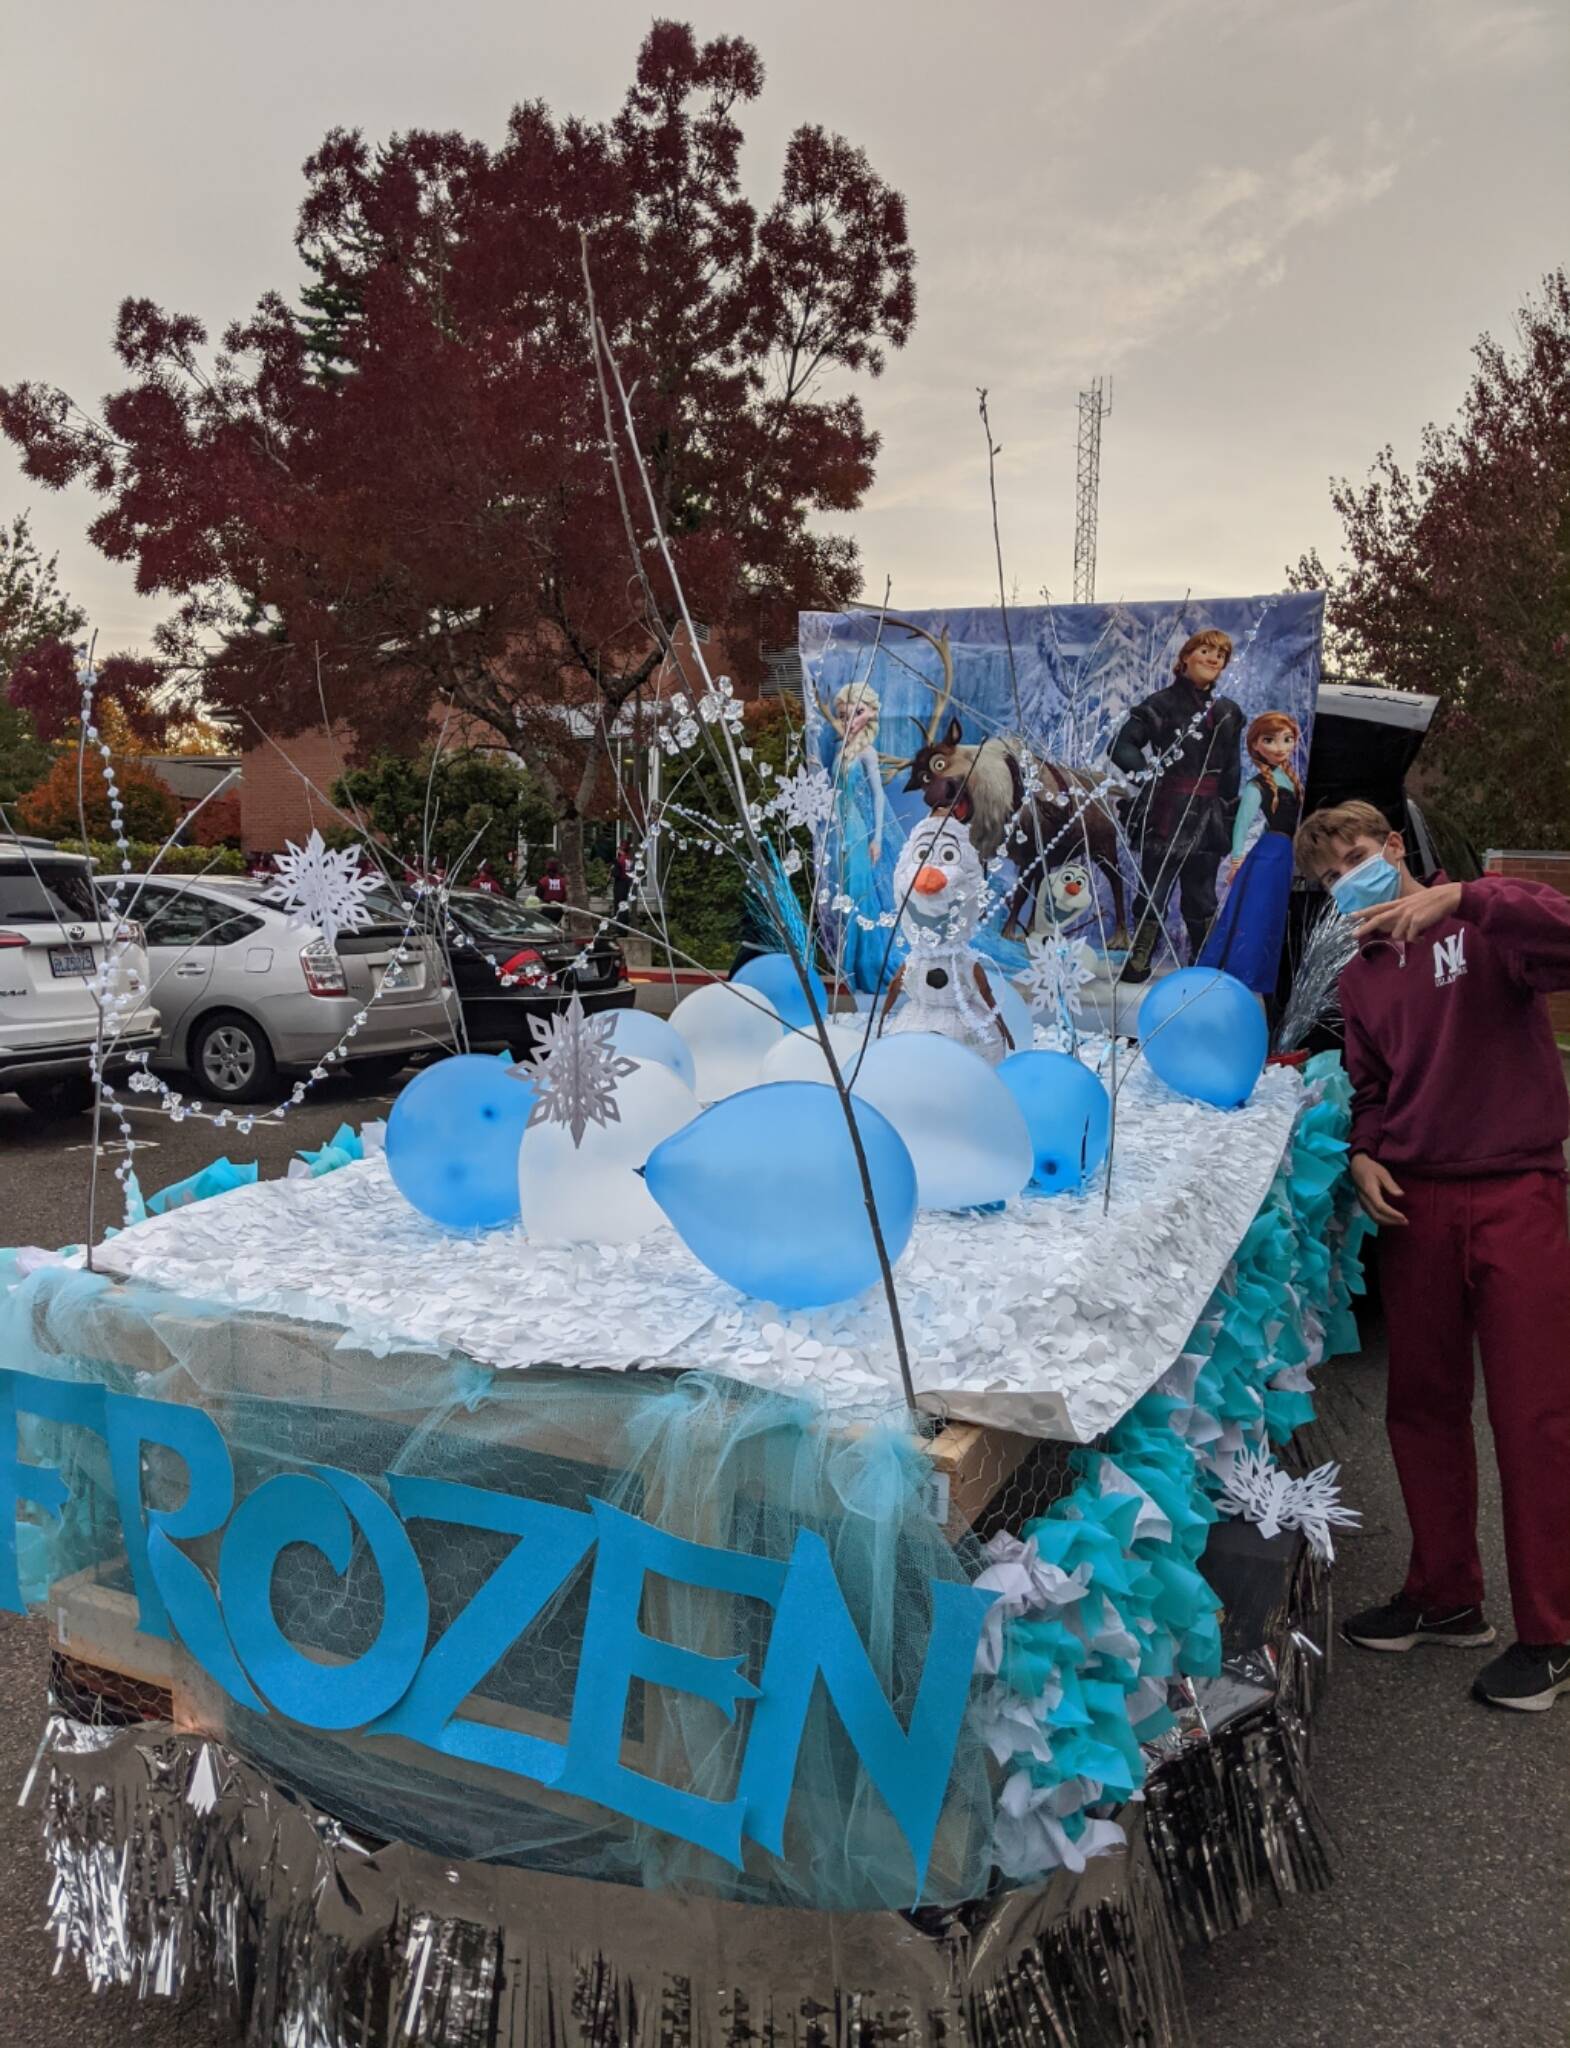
(1102,1599)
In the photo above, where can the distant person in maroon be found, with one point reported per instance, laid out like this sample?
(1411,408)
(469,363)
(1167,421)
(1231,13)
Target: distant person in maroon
(551,888)
(1460,1117)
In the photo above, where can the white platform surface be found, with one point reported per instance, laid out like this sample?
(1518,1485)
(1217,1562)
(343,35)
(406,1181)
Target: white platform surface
(1052,1317)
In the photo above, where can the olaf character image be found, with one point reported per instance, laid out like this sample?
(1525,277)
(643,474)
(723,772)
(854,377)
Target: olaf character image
(942,885)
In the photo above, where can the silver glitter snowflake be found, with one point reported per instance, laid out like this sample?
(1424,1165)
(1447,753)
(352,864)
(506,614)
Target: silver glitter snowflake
(1058,970)
(322,886)
(575,1072)
(805,799)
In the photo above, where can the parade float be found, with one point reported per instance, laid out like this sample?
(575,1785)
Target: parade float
(786,1525)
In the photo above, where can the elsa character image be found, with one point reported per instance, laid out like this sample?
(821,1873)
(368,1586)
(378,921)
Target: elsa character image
(864,865)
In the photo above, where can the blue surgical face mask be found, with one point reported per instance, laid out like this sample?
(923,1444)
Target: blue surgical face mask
(1365,887)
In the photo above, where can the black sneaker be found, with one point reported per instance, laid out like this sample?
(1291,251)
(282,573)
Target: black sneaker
(1401,1625)
(1528,1677)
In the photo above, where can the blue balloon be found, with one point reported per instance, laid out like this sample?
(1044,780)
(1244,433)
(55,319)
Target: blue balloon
(1069,1113)
(772,975)
(1204,1033)
(452,1141)
(643,1036)
(763,1188)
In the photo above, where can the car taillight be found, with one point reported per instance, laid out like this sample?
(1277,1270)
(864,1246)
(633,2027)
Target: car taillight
(324,975)
(128,933)
(13,939)
(526,965)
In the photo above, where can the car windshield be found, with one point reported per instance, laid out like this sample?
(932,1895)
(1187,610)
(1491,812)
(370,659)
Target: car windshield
(50,892)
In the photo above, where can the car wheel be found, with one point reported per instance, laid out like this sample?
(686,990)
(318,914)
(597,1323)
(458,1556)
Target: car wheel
(231,1058)
(64,1095)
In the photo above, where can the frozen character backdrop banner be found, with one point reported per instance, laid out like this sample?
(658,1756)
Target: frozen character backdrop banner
(1122,772)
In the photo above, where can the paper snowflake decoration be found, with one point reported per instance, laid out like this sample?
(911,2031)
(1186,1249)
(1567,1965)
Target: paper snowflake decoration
(576,1071)
(1058,970)
(1257,1489)
(322,886)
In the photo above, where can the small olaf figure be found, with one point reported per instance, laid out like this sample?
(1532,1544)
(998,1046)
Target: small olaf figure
(942,885)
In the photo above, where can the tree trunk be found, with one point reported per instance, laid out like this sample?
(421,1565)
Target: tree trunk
(572,841)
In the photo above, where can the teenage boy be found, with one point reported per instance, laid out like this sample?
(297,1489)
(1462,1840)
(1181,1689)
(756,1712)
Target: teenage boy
(1458,1130)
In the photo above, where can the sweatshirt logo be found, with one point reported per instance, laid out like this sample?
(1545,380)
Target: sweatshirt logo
(1449,959)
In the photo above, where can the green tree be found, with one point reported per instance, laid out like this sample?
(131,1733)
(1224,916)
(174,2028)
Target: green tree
(33,608)
(704,891)
(475,806)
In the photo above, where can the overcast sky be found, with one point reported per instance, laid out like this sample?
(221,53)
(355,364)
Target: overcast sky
(1280,224)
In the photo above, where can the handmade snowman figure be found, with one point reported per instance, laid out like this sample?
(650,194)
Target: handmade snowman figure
(942,885)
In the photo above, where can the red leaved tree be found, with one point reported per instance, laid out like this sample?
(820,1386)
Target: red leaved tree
(1458,581)
(399,499)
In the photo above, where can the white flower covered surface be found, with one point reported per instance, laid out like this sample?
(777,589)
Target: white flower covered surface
(1050,1317)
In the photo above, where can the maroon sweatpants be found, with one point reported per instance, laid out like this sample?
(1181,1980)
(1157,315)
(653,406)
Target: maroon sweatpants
(1488,1259)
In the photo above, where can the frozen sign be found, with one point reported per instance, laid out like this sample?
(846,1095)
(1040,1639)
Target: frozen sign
(406,1684)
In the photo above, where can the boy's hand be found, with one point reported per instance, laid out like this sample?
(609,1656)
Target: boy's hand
(1408,917)
(1375,1186)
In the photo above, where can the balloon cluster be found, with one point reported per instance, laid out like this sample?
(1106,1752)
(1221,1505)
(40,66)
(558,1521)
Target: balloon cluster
(764,1185)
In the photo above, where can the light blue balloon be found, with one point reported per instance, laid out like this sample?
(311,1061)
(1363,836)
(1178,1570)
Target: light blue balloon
(1069,1113)
(763,1189)
(1204,1033)
(1015,1011)
(643,1036)
(772,975)
(452,1141)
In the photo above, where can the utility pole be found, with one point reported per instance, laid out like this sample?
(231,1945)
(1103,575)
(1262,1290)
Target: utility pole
(1095,405)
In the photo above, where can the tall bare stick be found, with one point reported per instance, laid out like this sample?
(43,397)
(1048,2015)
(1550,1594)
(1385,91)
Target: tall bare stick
(605,360)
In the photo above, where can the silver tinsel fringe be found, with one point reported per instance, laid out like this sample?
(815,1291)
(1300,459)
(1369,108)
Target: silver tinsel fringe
(177,1868)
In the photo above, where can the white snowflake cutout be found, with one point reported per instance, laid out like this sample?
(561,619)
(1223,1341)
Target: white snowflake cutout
(322,886)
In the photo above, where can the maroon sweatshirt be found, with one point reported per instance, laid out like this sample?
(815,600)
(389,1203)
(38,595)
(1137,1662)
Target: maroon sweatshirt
(1452,1058)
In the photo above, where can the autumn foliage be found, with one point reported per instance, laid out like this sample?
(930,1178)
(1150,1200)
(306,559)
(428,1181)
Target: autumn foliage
(1458,581)
(52,810)
(393,496)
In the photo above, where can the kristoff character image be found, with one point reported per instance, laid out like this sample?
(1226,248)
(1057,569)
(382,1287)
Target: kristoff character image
(1180,822)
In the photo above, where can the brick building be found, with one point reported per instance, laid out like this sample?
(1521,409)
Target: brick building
(285,788)
(1554,869)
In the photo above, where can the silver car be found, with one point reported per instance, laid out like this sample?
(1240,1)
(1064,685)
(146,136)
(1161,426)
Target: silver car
(242,996)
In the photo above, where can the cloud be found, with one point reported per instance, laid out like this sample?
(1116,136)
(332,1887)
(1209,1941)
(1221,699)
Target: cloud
(1098,290)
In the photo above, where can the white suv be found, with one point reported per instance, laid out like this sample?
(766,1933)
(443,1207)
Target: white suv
(53,946)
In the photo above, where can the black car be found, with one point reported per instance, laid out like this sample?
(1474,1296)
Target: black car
(510,964)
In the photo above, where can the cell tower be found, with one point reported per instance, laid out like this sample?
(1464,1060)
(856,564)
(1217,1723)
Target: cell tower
(1095,405)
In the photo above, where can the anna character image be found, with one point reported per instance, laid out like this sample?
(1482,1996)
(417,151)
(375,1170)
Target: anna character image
(1246,938)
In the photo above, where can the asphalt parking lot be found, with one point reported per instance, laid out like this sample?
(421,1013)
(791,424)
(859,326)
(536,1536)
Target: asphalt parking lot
(1450,1920)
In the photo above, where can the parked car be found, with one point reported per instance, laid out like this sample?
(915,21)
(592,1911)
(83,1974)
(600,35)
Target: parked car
(53,940)
(544,969)
(242,996)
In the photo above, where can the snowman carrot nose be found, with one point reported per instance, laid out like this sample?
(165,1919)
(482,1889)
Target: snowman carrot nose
(929,881)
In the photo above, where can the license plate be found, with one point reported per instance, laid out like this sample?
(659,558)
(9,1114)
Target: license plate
(65,960)
(404,974)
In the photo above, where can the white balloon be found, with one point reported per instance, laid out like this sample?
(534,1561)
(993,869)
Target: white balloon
(799,1056)
(962,1127)
(593,1193)
(730,1032)
(643,1036)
